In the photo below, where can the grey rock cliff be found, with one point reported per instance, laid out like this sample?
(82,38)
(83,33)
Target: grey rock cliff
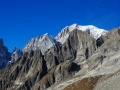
(79,44)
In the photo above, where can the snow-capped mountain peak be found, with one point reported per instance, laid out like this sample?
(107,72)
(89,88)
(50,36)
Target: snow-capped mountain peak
(92,30)
(42,43)
(72,27)
(45,41)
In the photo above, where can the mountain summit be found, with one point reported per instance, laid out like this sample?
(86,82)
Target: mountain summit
(42,43)
(92,31)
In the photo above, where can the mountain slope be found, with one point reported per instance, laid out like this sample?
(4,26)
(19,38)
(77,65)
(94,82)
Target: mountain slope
(105,62)
(36,70)
(81,60)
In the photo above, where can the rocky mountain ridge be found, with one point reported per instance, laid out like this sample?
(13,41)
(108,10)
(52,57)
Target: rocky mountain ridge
(42,71)
(81,62)
(46,41)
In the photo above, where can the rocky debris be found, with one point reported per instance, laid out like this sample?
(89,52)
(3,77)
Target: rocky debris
(84,84)
(109,82)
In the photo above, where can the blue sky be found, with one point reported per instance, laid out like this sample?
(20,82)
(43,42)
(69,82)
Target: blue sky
(21,20)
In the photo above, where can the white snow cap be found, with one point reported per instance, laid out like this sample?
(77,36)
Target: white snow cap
(92,30)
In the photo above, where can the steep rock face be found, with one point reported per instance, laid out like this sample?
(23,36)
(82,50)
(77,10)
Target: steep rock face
(79,44)
(4,54)
(42,43)
(53,56)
